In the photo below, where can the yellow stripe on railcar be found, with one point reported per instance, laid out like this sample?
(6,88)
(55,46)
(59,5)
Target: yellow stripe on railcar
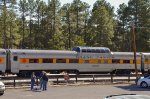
(54,60)
(81,61)
(94,61)
(40,60)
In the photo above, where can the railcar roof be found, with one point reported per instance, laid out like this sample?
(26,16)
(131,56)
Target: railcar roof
(85,47)
(2,51)
(125,53)
(28,51)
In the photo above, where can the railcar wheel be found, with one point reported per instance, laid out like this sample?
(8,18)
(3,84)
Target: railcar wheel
(113,72)
(76,72)
(123,71)
(144,84)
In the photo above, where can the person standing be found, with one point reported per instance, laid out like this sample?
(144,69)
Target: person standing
(66,76)
(45,80)
(33,80)
(41,79)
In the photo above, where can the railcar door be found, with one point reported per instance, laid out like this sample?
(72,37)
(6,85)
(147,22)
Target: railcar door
(146,61)
(14,64)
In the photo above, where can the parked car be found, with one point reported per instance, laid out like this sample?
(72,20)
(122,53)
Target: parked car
(144,82)
(2,88)
(127,96)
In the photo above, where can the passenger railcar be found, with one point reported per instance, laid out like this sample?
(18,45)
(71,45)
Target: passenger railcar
(123,62)
(79,60)
(25,61)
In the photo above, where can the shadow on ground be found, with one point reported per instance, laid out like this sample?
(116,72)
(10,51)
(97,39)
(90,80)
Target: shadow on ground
(132,87)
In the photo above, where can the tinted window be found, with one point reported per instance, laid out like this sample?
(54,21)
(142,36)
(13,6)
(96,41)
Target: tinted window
(89,50)
(74,49)
(105,61)
(115,61)
(86,61)
(98,51)
(126,61)
(83,50)
(33,61)
(73,61)
(136,61)
(60,60)
(15,58)
(107,51)
(77,49)
(102,50)
(47,60)
(146,60)
(99,61)
(93,51)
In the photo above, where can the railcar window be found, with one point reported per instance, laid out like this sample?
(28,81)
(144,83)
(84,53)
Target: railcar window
(99,61)
(86,61)
(15,58)
(73,60)
(77,49)
(105,61)
(60,60)
(83,50)
(107,50)
(126,61)
(136,61)
(102,50)
(47,60)
(115,61)
(98,51)
(146,60)
(33,60)
(89,50)
(74,49)
(93,51)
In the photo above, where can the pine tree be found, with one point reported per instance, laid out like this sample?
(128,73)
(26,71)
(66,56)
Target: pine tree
(101,24)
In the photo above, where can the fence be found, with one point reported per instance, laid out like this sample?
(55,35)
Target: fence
(59,79)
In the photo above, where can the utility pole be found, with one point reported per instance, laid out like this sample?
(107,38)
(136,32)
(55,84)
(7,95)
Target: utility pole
(134,49)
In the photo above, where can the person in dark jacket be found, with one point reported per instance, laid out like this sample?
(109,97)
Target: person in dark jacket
(33,80)
(45,81)
(41,79)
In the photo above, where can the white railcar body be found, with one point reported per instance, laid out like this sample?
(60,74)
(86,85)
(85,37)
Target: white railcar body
(146,61)
(2,60)
(17,66)
(126,57)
